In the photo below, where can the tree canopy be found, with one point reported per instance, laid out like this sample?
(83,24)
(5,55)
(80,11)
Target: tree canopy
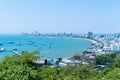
(23,68)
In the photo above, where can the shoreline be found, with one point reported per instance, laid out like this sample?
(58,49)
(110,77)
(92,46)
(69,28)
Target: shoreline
(92,41)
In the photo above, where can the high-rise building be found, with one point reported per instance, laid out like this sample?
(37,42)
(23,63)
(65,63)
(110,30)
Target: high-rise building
(90,35)
(115,47)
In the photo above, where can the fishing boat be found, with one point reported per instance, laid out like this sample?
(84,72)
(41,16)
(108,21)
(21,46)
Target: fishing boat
(2,49)
(18,44)
(16,53)
(10,42)
(15,49)
(30,42)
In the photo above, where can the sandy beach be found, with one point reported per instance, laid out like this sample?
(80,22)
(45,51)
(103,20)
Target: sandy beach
(93,41)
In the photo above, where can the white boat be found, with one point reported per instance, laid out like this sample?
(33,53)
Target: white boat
(15,49)
(16,53)
(2,49)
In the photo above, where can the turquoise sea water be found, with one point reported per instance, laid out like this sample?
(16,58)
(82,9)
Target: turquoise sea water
(49,47)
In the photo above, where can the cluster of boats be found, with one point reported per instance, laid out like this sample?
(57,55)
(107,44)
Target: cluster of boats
(15,50)
(3,49)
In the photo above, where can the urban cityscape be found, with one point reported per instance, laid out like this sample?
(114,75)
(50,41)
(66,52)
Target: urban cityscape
(104,43)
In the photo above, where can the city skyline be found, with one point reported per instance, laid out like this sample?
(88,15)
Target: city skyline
(51,16)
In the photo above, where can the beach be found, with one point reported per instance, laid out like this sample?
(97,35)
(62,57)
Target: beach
(92,41)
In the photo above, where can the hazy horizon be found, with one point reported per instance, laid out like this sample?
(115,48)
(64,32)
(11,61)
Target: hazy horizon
(54,16)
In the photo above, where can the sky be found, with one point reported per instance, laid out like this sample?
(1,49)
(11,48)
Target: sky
(53,16)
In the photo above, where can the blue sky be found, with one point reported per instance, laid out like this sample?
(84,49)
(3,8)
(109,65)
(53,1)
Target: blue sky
(76,16)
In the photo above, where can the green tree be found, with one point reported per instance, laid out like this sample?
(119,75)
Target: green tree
(48,73)
(117,62)
(105,58)
(84,72)
(19,67)
(76,57)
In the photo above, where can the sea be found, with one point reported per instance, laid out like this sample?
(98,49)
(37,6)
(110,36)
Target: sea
(49,47)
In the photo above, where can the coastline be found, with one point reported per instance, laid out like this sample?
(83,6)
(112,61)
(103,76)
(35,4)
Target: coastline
(93,41)
(90,40)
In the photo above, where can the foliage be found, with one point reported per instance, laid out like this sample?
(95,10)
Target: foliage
(48,73)
(19,67)
(83,72)
(23,68)
(105,58)
(117,62)
(76,57)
